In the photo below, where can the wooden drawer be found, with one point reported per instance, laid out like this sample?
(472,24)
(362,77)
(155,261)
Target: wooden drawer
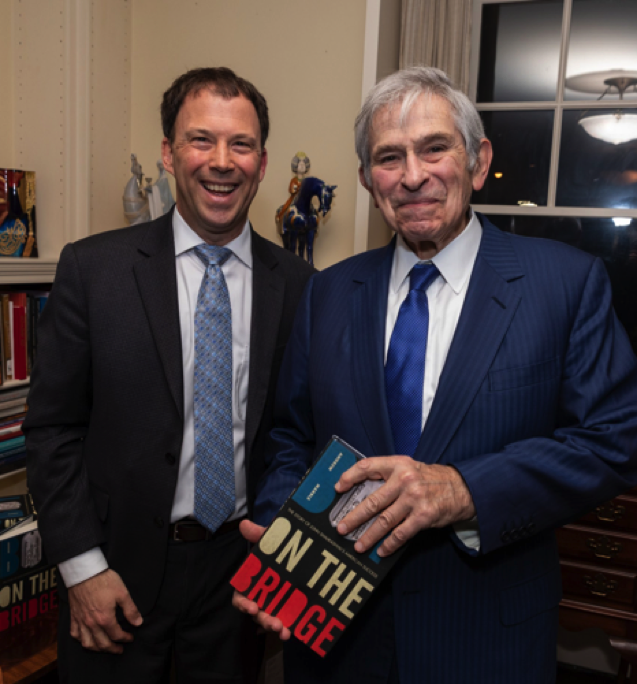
(618,514)
(598,546)
(608,587)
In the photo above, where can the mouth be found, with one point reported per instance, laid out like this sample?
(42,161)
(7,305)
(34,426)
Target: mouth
(218,189)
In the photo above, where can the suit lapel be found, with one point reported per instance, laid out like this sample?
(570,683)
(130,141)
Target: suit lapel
(487,312)
(157,282)
(368,314)
(268,290)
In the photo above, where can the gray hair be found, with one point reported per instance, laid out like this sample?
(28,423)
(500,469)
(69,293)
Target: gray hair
(405,87)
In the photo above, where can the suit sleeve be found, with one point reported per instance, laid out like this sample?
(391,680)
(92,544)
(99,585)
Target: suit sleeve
(291,444)
(58,418)
(540,483)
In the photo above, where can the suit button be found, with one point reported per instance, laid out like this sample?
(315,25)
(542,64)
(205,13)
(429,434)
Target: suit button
(159,522)
(171,459)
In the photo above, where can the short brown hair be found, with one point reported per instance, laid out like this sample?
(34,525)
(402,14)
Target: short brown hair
(222,81)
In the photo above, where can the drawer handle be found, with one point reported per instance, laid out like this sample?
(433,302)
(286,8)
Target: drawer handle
(608,512)
(600,585)
(603,547)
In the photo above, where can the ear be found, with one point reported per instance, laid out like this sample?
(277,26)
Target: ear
(263,163)
(481,169)
(363,181)
(167,156)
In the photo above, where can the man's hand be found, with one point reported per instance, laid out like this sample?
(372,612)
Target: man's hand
(93,603)
(415,497)
(253,532)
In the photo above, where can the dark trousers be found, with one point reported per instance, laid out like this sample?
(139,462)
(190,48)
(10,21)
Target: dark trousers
(192,621)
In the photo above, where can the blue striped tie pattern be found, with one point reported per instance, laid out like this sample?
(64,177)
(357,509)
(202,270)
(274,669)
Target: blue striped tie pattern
(214,448)
(405,366)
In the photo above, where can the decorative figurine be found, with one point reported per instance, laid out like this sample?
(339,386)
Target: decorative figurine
(17,213)
(297,220)
(146,203)
(136,207)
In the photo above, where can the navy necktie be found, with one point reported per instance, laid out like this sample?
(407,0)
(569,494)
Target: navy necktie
(214,448)
(405,367)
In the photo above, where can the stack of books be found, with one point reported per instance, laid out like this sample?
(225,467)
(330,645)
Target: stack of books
(13,406)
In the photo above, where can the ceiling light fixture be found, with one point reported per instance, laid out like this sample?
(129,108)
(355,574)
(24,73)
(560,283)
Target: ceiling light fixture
(617,127)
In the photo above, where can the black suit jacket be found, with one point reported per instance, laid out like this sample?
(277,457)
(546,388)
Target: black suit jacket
(105,421)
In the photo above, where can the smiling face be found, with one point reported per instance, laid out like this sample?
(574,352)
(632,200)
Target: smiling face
(217,161)
(419,175)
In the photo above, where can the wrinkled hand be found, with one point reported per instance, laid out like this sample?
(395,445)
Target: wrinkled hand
(415,497)
(93,603)
(253,532)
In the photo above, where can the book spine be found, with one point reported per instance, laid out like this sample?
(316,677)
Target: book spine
(19,342)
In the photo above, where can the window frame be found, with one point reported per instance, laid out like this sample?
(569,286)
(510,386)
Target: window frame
(558,107)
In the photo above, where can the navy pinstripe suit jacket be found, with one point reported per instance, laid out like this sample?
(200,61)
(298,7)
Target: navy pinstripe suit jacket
(537,409)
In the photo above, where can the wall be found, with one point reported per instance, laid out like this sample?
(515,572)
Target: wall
(6,84)
(305,57)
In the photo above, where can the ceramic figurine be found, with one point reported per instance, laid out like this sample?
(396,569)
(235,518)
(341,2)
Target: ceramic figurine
(297,220)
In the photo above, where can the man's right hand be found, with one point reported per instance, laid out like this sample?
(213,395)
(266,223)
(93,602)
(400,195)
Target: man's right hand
(93,603)
(253,532)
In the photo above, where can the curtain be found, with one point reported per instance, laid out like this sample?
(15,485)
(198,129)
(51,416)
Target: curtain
(437,33)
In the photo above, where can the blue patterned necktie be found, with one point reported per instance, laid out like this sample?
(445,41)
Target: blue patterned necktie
(405,367)
(214,448)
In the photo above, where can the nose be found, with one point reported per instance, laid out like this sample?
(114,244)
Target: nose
(415,172)
(221,158)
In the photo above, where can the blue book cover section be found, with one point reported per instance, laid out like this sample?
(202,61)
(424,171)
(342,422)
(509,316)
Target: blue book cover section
(303,571)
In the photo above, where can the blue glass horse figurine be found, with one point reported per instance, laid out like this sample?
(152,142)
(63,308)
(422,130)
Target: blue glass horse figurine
(299,221)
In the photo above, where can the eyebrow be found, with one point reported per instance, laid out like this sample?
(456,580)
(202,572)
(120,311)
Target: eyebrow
(424,140)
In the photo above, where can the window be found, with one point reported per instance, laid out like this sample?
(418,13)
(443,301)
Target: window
(555,82)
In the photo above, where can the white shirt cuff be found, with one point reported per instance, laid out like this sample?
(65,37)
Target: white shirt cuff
(83,567)
(468,533)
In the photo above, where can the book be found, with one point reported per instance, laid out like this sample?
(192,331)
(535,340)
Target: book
(303,571)
(6,338)
(14,509)
(19,342)
(28,583)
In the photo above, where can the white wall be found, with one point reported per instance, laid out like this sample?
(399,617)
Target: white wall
(305,57)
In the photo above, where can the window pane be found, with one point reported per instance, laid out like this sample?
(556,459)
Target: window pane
(593,172)
(616,245)
(602,45)
(521,157)
(519,51)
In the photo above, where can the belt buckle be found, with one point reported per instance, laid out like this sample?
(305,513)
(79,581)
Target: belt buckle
(175,531)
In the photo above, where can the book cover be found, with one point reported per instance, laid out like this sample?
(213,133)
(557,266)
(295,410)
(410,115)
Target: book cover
(28,584)
(303,571)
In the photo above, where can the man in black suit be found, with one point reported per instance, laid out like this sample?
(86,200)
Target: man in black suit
(114,431)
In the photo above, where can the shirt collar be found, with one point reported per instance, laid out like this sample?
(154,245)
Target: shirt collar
(186,239)
(455,262)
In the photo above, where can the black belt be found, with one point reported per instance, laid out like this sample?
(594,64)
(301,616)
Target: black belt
(190,530)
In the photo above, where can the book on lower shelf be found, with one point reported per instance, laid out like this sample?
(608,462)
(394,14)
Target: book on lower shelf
(28,590)
(303,571)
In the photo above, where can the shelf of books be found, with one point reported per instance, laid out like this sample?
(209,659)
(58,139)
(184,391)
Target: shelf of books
(20,310)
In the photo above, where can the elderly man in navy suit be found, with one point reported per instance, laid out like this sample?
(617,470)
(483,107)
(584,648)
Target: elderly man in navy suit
(495,371)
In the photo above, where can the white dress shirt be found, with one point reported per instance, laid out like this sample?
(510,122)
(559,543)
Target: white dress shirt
(237,271)
(445,297)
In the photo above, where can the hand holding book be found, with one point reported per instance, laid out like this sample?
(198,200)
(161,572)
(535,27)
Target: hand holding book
(415,496)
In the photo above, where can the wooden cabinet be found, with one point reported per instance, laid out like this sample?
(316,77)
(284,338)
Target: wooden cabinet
(598,558)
